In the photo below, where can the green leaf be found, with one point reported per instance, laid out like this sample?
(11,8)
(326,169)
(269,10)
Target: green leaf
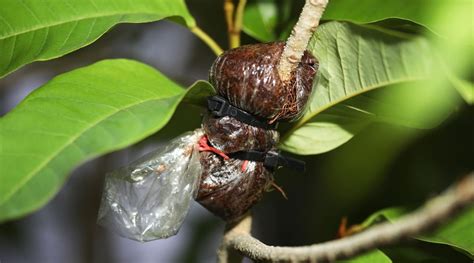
(456,45)
(355,60)
(263,20)
(327,130)
(369,11)
(456,233)
(260,20)
(375,256)
(267,20)
(75,117)
(383,215)
(32,30)
(465,89)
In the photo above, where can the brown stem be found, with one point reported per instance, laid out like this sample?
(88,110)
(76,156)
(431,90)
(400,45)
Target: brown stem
(301,34)
(433,214)
(226,253)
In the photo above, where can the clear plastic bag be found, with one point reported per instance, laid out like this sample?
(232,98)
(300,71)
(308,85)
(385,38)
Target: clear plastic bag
(150,198)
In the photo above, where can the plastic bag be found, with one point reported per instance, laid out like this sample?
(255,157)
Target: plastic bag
(229,188)
(150,198)
(231,135)
(248,77)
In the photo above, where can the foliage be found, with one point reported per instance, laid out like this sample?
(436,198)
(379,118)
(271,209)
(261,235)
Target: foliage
(389,65)
(32,30)
(91,107)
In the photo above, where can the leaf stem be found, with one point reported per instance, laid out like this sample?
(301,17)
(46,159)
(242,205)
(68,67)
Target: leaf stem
(207,39)
(237,28)
(229,18)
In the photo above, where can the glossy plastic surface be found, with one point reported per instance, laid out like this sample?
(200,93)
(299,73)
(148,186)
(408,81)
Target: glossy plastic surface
(150,198)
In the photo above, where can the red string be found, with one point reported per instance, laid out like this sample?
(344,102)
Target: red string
(244,165)
(205,147)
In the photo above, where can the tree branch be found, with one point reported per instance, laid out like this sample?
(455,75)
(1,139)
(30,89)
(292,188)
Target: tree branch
(226,254)
(300,36)
(434,213)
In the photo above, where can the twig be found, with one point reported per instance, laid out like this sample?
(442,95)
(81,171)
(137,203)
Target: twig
(229,18)
(234,21)
(239,17)
(300,36)
(434,213)
(226,254)
(211,43)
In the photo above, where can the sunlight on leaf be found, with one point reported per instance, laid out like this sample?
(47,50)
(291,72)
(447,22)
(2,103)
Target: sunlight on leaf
(357,11)
(355,60)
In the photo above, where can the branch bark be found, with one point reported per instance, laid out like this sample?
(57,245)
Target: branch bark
(300,36)
(434,213)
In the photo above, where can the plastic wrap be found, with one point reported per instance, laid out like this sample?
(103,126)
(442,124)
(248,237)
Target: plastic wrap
(247,76)
(150,198)
(230,135)
(229,188)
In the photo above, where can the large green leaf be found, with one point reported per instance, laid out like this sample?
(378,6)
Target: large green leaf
(353,61)
(457,233)
(265,20)
(368,11)
(75,117)
(32,30)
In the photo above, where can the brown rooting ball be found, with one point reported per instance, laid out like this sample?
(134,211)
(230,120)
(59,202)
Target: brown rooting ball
(226,190)
(248,77)
(230,135)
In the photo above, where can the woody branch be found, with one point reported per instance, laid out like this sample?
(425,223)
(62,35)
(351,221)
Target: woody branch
(300,35)
(433,214)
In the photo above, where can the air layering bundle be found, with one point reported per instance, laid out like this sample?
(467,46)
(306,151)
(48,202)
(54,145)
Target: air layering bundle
(226,165)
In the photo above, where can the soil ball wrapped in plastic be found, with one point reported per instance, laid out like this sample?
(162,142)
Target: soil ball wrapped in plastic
(231,135)
(228,164)
(248,77)
(229,188)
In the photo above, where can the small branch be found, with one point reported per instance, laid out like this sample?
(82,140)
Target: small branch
(226,254)
(300,36)
(235,33)
(434,213)
(229,18)
(211,43)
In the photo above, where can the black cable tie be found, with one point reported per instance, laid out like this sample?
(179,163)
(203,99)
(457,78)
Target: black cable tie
(220,107)
(270,159)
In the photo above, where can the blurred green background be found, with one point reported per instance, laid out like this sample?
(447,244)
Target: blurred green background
(383,166)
